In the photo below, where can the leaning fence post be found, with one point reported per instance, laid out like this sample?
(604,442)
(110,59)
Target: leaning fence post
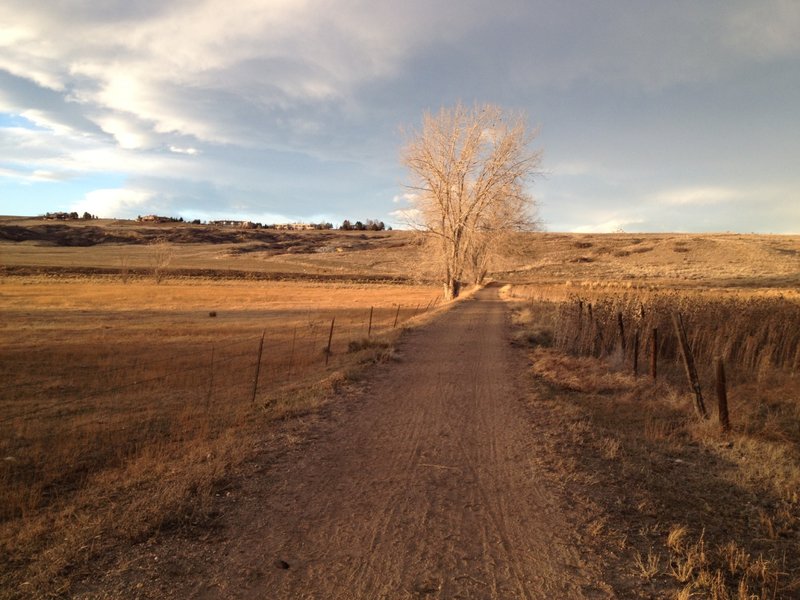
(688,363)
(369,329)
(722,397)
(258,365)
(396,315)
(654,355)
(330,339)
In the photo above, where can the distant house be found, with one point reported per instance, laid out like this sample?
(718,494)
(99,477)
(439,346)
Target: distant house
(152,219)
(237,224)
(296,226)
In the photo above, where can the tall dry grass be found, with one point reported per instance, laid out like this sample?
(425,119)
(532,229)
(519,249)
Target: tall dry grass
(118,419)
(752,335)
(734,497)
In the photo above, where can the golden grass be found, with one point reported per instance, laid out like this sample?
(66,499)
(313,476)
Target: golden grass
(657,261)
(732,497)
(136,250)
(125,406)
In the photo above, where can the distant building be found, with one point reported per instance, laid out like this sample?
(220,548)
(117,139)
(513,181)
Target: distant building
(230,223)
(152,219)
(296,226)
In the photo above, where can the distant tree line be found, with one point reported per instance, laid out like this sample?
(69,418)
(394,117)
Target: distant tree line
(370,225)
(347,225)
(68,216)
(158,219)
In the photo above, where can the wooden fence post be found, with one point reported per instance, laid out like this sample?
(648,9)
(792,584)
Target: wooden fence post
(396,315)
(330,339)
(258,365)
(636,354)
(621,332)
(722,397)
(210,379)
(369,329)
(688,363)
(654,355)
(291,352)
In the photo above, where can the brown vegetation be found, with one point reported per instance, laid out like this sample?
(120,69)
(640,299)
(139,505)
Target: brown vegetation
(125,408)
(700,511)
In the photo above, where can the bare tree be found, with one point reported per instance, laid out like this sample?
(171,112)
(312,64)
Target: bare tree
(469,170)
(161,257)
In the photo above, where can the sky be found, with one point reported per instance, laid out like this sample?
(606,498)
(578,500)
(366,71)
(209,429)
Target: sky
(652,116)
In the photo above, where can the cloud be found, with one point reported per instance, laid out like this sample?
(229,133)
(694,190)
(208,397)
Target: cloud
(765,31)
(407,197)
(126,133)
(409,217)
(114,202)
(695,196)
(609,226)
(177,150)
(291,107)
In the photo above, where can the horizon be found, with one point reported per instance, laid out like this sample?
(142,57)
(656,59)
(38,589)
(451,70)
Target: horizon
(176,220)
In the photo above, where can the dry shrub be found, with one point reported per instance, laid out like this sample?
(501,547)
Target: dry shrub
(726,571)
(737,492)
(580,374)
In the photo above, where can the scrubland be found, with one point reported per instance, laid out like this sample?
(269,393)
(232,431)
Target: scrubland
(130,362)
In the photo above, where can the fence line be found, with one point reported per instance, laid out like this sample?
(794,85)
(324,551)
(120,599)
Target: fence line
(179,364)
(751,337)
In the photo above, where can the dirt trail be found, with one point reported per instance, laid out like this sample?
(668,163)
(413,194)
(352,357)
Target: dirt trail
(424,488)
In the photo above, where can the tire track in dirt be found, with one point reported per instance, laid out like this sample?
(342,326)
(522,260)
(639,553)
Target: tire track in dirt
(421,487)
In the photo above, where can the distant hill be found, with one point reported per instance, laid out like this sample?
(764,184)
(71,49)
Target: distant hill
(665,259)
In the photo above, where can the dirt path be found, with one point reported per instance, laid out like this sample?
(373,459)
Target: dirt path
(425,487)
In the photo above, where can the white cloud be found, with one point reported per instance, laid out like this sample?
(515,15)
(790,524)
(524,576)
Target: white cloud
(190,151)
(113,202)
(701,195)
(408,197)
(609,226)
(42,119)
(127,134)
(407,216)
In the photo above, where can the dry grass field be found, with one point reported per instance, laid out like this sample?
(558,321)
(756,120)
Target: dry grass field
(698,511)
(126,403)
(126,406)
(125,248)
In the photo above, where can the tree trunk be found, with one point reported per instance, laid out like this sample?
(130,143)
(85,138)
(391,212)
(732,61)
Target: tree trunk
(452,288)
